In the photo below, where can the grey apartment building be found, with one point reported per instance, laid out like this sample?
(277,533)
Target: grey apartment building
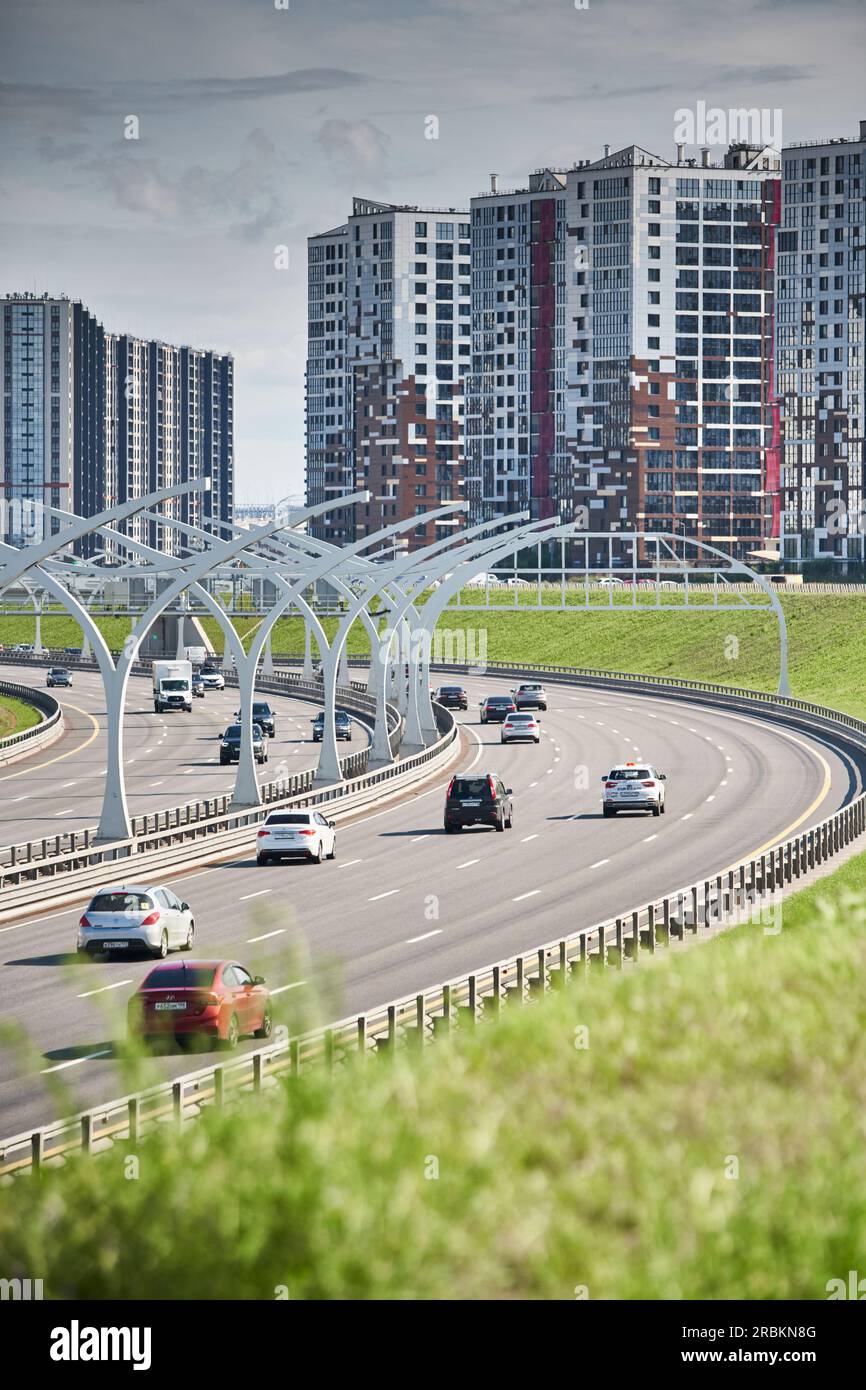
(52,409)
(388,354)
(622,346)
(819,335)
(669,398)
(90,418)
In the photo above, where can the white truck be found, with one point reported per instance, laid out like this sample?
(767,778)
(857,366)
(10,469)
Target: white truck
(172,685)
(197,655)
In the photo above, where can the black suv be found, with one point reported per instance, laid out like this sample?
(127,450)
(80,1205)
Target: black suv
(342,724)
(481,800)
(452,697)
(230,747)
(264,716)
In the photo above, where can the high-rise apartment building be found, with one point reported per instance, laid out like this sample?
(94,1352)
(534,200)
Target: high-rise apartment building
(51,413)
(516,449)
(819,335)
(90,418)
(388,353)
(671,421)
(622,347)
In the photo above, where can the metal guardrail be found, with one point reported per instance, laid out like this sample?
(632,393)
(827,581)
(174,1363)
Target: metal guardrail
(30,861)
(735,894)
(39,735)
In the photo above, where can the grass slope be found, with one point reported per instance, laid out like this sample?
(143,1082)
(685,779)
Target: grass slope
(16,716)
(707,1143)
(827,644)
(827,637)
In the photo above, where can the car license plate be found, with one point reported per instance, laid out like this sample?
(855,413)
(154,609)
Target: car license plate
(470,803)
(169,1006)
(115,945)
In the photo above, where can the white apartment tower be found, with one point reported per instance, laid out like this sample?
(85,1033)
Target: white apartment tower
(388,352)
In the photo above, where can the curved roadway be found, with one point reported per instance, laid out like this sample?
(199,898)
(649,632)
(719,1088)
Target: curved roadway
(405,906)
(170,758)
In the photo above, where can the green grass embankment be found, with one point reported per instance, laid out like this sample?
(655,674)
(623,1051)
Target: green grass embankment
(16,715)
(702,1138)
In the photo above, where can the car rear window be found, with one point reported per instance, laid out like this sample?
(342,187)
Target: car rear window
(452,690)
(180,977)
(530,687)
(233,732)
(521,719)
(500,700)
(121,902)
(628,774)
(262,709)
(288,818)
(471,789)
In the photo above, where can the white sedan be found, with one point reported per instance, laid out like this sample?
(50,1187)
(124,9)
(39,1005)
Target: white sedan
(298,834)
(517,726)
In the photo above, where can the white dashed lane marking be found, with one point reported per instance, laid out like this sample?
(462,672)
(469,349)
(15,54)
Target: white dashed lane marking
(88,994)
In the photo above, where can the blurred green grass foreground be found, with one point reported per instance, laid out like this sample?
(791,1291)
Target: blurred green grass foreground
(691,1128)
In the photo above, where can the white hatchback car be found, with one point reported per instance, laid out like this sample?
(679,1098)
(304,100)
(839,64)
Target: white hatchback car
(128,917)
(301,834)
(212,678)
(634,787)
(519,726)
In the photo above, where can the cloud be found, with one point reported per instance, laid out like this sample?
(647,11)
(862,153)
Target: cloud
(247,198)
(41,102)
(55,151)
(762,73)
(354,143)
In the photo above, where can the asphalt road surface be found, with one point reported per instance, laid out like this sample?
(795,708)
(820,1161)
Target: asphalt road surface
(404,906)
(170,758)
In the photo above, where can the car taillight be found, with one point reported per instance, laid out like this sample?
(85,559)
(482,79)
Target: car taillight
(204,1001)
(492,787)
(450,789)
(647,784)
(151,919)
(306,832)
(260,833)
(610,784)
(84,922)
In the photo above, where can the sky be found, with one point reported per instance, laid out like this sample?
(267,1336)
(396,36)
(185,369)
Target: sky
(257,121)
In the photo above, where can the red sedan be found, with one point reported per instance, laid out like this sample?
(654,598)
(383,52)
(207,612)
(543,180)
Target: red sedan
(215,999)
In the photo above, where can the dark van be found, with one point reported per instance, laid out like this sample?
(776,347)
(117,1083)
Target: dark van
(481,800)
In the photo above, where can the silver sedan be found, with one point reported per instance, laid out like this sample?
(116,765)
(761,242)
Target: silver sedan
(127,917)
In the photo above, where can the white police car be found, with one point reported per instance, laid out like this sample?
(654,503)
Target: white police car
(634,787)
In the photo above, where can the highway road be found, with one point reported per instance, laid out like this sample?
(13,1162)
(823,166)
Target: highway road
(404,906)
(170,758)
